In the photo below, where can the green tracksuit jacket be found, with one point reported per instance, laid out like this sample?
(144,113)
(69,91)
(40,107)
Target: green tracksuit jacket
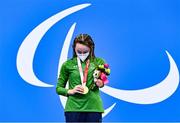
(90,102)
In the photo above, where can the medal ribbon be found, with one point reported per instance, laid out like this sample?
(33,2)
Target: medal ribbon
(83,77)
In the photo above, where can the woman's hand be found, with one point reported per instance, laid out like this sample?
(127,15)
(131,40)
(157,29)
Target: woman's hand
(76,89)
(99,83)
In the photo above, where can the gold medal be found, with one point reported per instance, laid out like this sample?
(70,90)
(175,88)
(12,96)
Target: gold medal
(85,89)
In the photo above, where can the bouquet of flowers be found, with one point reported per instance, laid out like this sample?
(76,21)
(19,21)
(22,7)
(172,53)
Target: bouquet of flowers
(101,72)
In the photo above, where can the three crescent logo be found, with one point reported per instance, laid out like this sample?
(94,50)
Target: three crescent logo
(25,56)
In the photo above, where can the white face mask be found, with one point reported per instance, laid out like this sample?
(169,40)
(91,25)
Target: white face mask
(83,56)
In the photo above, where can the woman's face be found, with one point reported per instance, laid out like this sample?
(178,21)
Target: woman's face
(81,49)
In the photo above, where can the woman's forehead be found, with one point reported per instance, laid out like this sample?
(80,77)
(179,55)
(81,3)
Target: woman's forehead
(81,46)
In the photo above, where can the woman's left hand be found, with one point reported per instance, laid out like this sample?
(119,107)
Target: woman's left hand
(99,83)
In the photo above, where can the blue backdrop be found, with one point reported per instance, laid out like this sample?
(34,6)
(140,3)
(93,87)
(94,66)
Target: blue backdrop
(131,35)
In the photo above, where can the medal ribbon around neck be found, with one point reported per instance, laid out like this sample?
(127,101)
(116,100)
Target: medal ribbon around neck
(83,77)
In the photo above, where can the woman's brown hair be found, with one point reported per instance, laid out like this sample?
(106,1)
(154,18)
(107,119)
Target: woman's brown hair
(84,39)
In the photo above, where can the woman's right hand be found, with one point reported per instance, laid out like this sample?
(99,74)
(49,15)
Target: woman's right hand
(76,89)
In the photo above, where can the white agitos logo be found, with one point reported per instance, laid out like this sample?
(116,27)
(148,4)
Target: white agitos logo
(151,95)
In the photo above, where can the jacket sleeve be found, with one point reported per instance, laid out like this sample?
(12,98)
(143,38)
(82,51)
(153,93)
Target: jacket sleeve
(62,80)
(100,61)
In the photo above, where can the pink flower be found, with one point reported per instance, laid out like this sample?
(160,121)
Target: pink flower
(104,78)
(106,65)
